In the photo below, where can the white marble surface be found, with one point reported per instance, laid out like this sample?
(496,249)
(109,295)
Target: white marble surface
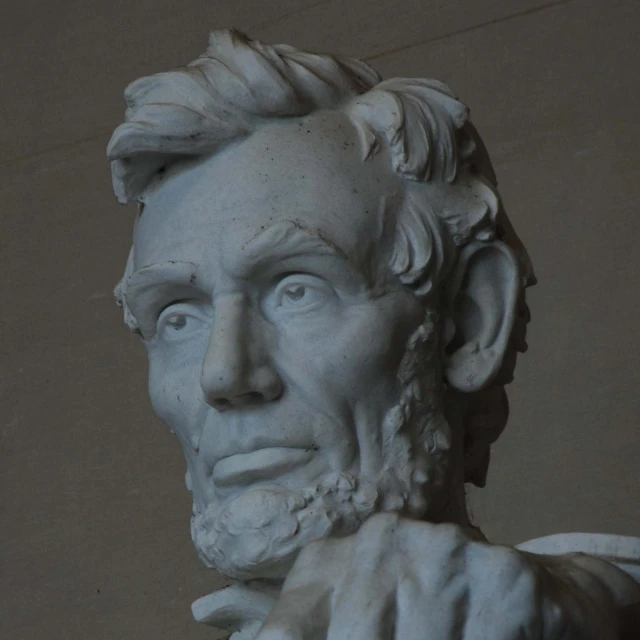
(332,299)
(545,87)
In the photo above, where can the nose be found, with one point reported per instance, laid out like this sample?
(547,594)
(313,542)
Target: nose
(236,370)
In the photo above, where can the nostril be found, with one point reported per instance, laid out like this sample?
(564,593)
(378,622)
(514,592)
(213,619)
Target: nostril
(240,400)
(221,404)
(248,399)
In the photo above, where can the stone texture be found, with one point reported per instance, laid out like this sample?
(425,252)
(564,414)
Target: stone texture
(553,93)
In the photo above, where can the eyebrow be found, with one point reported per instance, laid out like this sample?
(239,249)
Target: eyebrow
(172,272)
(283,241)
(142,287)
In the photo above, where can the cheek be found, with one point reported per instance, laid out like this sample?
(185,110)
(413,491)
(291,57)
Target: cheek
(175,393)
(371,346)
(355,352)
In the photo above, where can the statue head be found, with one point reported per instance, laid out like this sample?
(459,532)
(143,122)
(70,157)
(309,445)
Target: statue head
(329,290)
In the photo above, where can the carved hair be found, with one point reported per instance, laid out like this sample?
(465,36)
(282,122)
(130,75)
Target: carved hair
(239,85)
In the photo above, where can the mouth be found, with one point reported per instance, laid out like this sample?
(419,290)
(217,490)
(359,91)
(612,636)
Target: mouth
(263,464)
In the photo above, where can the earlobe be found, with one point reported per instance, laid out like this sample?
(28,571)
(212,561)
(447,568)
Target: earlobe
(481,302)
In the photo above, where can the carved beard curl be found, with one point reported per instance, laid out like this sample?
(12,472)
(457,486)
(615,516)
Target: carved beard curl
(259,533)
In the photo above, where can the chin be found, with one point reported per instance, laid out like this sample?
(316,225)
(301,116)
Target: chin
(259,533)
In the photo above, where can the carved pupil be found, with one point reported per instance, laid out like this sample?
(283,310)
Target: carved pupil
(295,293)
(177,322)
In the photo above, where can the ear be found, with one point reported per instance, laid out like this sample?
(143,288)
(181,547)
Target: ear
(481,304)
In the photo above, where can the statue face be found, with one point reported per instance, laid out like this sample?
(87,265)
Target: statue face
(273,330)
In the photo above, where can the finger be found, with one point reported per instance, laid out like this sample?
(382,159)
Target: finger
(301,613)
(233,608)
(363,604)
(302,610)
(363,615)
(505,601)
(427,613)
(319,563)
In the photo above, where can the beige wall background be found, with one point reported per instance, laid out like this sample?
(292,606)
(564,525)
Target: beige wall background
(95,538)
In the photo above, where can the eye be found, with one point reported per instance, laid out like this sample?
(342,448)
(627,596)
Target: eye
(301,292)
(177,321)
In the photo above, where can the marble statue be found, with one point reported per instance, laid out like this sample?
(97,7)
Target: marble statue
(332,299)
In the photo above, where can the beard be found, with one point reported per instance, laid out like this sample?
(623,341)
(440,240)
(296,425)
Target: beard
(259,533)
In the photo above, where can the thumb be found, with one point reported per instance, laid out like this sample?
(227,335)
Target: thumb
(233,608)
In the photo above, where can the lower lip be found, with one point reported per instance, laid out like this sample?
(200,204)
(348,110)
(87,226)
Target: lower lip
(263,464)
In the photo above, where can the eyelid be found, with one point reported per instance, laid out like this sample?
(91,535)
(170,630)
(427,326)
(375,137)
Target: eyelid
(307,279)
(322,287)
(148,305)
(299,274)
(173,303)
(189,308)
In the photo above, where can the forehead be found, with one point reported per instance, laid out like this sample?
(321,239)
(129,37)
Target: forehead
(309,172)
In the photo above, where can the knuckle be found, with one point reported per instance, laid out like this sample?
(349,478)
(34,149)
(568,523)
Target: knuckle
(313,550)
(449,540)
(454,533)
(379,526)
(511,562)
(526,586)
(278,630)
(509,582)
(517,573)
(317,553)
(512,575)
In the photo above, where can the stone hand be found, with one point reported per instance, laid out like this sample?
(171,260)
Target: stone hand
(411,580)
